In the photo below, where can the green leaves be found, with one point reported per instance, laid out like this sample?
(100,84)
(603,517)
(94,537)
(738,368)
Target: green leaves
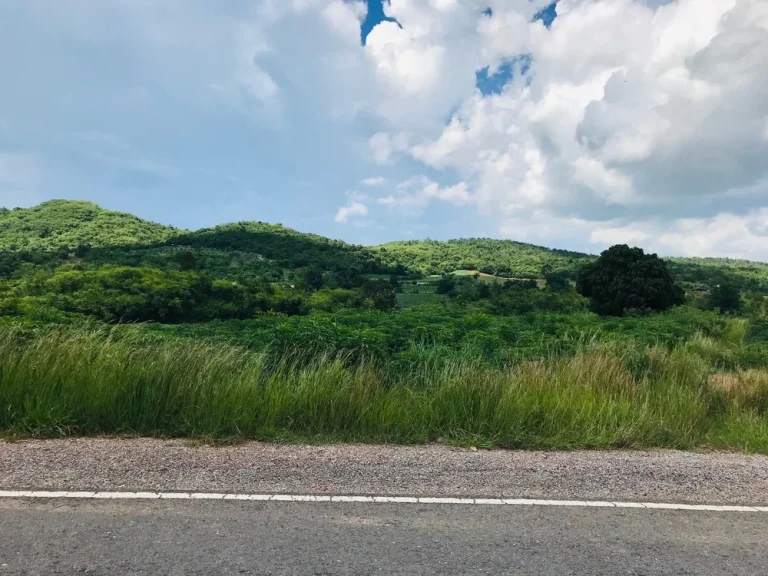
(58,223)
(624,279)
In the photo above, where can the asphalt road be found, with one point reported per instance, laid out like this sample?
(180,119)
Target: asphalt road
(75,536)
(219,537)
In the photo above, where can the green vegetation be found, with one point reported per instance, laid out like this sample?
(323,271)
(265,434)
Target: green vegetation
(625,278)
(606,395)
(503,258)
(112,324)
(58,223)
(726,297)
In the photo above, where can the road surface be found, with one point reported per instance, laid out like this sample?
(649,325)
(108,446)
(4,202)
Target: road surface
(152,536)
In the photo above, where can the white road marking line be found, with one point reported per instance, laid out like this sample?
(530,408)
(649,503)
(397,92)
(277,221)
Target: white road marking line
(370,500)
(493,501)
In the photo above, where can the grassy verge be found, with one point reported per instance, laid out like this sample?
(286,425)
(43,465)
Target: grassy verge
(78,381)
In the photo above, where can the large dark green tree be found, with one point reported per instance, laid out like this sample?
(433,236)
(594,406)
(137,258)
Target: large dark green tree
(625,278)
(726,297)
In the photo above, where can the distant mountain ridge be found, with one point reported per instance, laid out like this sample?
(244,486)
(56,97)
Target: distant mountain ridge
(58,224)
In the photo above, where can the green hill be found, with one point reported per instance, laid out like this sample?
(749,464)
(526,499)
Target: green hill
(710,271)
(245,250)
(284,246)
(65,223)
(495,257)
(507,258)
(48,234)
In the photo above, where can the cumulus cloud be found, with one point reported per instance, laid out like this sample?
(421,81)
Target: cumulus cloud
(726,234)
(640,121)
(374,181)
(415,194)
(651,118)
(351,210)
(345,18)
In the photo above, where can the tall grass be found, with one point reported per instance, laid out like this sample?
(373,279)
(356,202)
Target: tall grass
(80,381)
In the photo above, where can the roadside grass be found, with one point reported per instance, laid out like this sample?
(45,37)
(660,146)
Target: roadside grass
(79,381)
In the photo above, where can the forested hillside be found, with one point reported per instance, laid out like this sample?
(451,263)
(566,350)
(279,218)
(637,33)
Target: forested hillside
(65,223)
(248,249)
(75,258)
(497,257)
(510,259)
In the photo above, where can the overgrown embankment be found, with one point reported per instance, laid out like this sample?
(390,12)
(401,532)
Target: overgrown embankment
(72,381)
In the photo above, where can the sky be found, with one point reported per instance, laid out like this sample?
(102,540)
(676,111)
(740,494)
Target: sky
(577,124)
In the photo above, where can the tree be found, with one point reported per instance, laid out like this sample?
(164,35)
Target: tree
(379,294)
(313,278)
(556,279)
(625,278)
(725,297)
(446,284)
(188,262)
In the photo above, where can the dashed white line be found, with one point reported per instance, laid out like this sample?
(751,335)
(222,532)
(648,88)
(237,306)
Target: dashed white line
(32,494)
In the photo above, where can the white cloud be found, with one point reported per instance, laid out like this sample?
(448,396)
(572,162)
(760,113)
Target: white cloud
(723,235)
(374,181)
(383,146)
(542,228)
(351,210)
(656,107)
(726,235)
(609,184)
(631,234)
(415,194)
(345,18)
(413,68)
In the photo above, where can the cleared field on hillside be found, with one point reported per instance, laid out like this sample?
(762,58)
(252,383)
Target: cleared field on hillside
(540,282)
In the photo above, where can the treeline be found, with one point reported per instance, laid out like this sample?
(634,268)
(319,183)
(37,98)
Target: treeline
(288,248)
(51,233)
(126,294)
(76,258)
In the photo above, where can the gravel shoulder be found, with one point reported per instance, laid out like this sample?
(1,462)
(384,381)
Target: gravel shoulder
(433,470)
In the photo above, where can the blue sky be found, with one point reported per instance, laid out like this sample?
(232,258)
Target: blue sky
(104,126)
(413,118)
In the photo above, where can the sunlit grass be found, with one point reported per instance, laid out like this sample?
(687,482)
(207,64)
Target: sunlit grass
(609,394)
